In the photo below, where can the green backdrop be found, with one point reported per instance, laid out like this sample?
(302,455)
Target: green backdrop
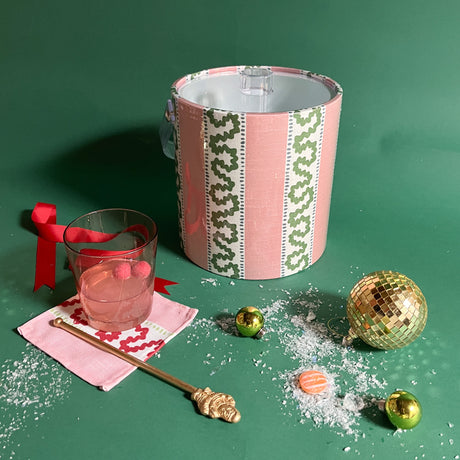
(83,86)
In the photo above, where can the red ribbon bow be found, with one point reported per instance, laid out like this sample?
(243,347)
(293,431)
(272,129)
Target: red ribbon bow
(50,233)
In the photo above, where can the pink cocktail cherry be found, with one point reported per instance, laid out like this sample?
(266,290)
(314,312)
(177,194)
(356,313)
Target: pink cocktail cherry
(122,271)
(142,269)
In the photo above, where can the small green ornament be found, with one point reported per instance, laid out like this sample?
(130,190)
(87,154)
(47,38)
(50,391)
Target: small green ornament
(403,410)
(249,321)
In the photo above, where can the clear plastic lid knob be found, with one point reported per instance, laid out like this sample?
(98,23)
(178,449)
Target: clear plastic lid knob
(256,81)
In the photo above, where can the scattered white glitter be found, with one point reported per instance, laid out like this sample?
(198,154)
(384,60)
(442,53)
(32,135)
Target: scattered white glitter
(29,388)
(227,323)
(310,317)
(312,345)
(211,281)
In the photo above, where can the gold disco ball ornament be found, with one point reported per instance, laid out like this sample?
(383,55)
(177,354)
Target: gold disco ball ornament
(386,309)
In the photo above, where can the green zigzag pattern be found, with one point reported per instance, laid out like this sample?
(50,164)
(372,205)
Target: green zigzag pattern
(302,191)
(224,188)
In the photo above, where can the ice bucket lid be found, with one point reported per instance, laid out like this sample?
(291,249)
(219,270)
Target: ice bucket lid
(262,89)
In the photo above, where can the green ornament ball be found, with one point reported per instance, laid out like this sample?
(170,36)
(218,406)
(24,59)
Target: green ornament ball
(403,410)
(249,321)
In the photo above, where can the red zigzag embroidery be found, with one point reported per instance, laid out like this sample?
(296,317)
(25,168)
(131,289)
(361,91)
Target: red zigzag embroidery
(69,303)
(157,343)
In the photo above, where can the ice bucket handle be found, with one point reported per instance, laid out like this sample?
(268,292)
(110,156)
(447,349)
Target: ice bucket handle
(167,129)
(256,81)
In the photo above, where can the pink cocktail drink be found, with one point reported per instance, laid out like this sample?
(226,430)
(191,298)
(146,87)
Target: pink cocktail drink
(112,255)
(116,295)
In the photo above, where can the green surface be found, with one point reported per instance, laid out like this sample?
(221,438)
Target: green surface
(83,86)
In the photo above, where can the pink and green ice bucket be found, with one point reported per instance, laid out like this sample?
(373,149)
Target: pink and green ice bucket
(255,150)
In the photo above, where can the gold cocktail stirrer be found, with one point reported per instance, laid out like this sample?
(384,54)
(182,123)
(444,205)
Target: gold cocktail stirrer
(214,405)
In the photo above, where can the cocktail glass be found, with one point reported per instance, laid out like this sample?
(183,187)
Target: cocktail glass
(112,255)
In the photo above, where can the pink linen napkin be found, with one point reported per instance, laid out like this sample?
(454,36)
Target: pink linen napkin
(95,366)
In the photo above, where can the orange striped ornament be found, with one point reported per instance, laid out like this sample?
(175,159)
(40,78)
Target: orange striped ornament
(313,382)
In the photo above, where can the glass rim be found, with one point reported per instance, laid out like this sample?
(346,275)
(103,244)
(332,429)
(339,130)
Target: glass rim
(68,245)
